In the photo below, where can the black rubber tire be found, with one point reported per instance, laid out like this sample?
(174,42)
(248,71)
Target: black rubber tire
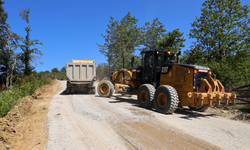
(200,109)
(169,104)
(146,101)
(108,86)
(72,90)
(68,90)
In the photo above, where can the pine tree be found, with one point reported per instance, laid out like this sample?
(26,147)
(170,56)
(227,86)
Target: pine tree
(222,34)
(27,56)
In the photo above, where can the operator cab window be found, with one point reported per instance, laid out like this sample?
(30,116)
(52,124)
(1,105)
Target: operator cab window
(149,62)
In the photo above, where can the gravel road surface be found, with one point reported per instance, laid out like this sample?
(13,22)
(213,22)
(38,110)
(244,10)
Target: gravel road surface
(92,122)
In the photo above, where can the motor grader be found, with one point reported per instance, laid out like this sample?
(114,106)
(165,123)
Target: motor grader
(165,84)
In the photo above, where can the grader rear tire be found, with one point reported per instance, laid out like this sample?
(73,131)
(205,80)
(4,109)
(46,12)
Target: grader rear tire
(166,99)
(145,95)
(105,88)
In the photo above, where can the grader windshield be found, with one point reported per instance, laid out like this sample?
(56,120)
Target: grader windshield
(164,58)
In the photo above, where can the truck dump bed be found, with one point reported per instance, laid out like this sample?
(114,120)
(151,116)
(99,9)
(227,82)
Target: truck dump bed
(81,76)
(81,71)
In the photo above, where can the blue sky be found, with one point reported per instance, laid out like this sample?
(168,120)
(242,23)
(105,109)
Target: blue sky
(70,29)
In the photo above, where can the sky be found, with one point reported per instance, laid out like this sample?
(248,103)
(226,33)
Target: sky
(70,29)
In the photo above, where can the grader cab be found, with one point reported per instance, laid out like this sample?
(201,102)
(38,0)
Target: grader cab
(162,82)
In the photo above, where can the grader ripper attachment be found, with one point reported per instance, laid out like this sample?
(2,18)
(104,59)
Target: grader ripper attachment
(164,84)
(210,91)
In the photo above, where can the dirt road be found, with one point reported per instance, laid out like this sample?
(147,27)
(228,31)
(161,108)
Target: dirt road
(93,122)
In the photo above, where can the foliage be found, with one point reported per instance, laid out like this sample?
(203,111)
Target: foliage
(122,38)
(102,71)
(27,56)
(56,74)
(152,32)
(55,70)
(8,44)
(222,41)
(23,86)
(172,41)
(3,17)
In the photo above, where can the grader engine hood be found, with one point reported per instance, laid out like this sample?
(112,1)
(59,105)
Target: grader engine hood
(206,89)
(193,66)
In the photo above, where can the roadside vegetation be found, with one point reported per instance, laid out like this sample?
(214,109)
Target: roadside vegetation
(18,77)
(25,85)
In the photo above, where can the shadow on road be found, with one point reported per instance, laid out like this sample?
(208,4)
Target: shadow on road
(189,114)
(65,93)
(184,112)
(120,98)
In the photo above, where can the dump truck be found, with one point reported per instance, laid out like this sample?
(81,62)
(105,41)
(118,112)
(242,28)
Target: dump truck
(165,84)
(81,75)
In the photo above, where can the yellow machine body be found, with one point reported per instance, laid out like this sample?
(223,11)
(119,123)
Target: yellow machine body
(159,69)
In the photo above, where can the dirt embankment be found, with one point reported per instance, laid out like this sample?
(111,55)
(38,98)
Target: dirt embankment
(24,127)
(230,114)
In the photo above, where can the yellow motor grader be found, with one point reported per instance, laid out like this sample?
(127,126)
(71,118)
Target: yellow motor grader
(162,82)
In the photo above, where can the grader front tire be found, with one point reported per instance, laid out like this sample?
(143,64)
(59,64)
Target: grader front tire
(145,95)
(166,99)
(105,88)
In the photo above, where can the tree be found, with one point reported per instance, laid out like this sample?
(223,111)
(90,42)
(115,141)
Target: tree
(9,42)
(63,70)
(152,32)
(172,41)
(27,56)
(55,70)
(222,34)
(102,71)
(122,39)
(109,47)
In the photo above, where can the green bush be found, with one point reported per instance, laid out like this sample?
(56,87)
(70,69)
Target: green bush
(23,86)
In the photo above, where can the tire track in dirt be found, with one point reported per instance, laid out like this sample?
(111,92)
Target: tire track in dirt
(148,132)
(79,128)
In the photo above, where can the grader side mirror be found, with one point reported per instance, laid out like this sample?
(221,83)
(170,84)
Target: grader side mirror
(132,61)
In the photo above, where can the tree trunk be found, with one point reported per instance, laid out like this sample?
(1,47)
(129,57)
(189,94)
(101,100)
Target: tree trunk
(7,76)
(7,80)
(12,69)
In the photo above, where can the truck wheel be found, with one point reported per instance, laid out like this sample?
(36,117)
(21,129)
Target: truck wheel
(200,109)
(166,99)
(72,90)
(91,90)
(105,88)
(145,95)
(68,90)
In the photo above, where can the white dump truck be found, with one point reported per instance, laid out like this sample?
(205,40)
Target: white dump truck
(81,75)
